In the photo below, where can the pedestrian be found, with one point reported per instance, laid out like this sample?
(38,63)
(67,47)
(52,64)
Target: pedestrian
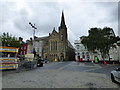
(92,61)
(46,60)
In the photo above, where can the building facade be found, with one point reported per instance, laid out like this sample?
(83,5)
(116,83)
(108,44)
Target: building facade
(23,49)
(56,46)
(81,53)
(39,43)
(115,52)
(26,47)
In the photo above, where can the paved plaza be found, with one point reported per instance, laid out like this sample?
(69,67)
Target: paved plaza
(61,75)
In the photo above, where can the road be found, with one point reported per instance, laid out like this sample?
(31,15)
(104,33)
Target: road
(82,66)
(62,75)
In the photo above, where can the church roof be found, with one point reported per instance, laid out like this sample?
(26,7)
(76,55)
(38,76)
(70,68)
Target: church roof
(54,31)
(70,45)
(41,38)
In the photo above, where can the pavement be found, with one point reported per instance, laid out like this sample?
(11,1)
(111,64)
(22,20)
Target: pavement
(62,75)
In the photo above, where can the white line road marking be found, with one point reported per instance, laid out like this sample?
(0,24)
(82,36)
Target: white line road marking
(64,66)
(92,69)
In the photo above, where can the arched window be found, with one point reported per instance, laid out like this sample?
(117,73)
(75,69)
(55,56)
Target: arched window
(56,45)
(61,37)
(53,45)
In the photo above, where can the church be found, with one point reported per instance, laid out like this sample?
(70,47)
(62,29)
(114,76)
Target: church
(56,46)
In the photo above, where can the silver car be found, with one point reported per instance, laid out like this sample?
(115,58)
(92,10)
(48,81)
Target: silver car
(115,75)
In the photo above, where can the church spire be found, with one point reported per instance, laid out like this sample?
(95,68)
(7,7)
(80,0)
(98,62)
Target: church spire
(54,29)
(62,24)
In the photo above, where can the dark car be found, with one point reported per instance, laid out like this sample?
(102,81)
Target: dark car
(40,63)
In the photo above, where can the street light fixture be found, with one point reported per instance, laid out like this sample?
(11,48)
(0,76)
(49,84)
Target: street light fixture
(33,26)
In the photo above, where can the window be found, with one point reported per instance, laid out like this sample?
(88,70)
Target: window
(38,50)
(24,52)
(53,45)
(24,47)
(77,46)
(61,37)
(38,43)
(56,45)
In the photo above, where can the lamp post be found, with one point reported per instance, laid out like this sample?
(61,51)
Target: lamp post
(33,26)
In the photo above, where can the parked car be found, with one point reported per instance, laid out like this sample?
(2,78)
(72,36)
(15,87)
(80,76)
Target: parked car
(40,63)
(115,75)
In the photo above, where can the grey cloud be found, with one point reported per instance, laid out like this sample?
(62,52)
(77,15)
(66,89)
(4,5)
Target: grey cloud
(79,17)
(111,11)
(119,18)
(45,20)
(22,21)
(6,11)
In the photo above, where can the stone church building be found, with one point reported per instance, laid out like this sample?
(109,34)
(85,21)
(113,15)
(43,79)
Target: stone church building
(56,45)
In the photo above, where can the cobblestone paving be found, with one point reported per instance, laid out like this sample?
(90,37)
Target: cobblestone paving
(59,77)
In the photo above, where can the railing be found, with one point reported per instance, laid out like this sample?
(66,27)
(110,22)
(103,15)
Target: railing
(27,64)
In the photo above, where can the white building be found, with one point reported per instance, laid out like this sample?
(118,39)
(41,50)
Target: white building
(81,53)
(77,49)
(38,44)
(115,52)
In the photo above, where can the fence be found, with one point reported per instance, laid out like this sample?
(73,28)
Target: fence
(27,64)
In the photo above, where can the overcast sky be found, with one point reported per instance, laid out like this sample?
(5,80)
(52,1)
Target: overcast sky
(79,17)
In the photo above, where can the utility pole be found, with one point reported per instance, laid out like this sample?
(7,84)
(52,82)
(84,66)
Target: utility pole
(33,26)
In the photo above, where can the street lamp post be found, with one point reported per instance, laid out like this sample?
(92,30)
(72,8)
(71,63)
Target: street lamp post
(33,26)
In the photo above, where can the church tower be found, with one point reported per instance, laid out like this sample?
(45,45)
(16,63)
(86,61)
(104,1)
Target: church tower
(63,29)
(63,39)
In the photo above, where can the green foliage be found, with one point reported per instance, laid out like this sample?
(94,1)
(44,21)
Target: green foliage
(100,39)
(9,40)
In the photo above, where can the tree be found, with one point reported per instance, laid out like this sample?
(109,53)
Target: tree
(101,40)
(9,40)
